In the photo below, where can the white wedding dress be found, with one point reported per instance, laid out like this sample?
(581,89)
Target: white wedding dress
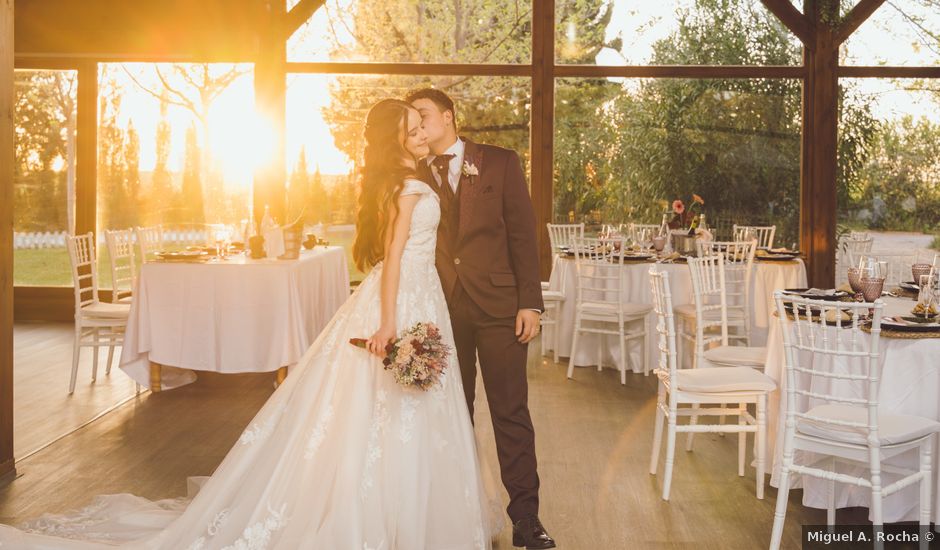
(340,457)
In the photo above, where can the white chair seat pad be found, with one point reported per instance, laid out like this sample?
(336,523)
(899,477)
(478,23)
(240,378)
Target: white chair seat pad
(892,428)
(737,356)
(553,295)
(104,310)
(723,380)
(688,310)
(629,309)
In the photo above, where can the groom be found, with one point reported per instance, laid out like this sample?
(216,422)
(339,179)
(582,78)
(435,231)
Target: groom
(488,263)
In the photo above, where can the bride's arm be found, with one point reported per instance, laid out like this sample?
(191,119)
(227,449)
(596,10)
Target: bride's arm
(396,237)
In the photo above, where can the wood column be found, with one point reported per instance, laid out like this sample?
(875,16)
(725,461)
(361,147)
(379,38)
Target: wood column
(542,128)
(270,187)
(7,467)
(86,147)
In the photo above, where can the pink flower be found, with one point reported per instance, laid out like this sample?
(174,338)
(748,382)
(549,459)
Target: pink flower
(678,206)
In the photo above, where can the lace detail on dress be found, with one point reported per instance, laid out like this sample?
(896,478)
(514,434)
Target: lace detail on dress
(316,437)
(374,451)
(409,406)
(259,432)
(257,536)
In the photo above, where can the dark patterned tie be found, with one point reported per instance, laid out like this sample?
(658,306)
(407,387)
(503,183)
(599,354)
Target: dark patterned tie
(442,164)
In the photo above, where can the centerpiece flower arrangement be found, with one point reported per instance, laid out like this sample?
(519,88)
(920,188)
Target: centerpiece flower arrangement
(687,216)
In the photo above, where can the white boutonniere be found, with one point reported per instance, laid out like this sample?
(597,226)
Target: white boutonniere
(469,169)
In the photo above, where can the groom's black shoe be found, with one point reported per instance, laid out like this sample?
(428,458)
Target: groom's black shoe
(529,533)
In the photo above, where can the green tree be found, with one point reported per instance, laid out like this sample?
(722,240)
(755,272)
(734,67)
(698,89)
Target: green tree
(162,192)
(191,198)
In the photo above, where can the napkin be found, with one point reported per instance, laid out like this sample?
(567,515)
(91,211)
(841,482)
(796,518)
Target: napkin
(274,242)
(820,292)
(844,287)
(837,316)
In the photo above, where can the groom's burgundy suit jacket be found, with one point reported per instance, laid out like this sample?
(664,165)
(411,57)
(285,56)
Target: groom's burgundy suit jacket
(487,239)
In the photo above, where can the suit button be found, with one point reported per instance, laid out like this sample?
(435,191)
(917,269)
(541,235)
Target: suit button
(456,261)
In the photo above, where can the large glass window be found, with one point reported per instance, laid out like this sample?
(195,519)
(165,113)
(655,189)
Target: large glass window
(671,32)
(625,149)
(898,33)
(889,162)
(43,175)
(325,117)
(404,31)
(177,147)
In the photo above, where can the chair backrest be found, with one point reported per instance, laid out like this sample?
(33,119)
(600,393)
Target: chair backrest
(84,269)
(123,269)
(599,264)
(852,247)
(709,295)
(831,358)
(640,230)
(739,264)
(149,241)
(665,324)
(763,233)
(564,234)
(897,265)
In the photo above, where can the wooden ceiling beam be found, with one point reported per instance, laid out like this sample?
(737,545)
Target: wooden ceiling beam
(300,14)
(793,19)
(854,19)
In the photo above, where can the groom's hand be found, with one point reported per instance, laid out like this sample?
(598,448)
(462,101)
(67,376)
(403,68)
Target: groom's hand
(527,325)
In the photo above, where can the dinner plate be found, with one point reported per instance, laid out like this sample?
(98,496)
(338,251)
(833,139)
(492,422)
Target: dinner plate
(902,324)
(775,257)
(805,293)
(910,286)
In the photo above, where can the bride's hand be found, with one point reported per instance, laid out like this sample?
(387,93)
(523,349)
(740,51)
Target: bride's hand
(382,337)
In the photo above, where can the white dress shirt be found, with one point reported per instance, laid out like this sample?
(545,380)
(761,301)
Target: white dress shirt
(453,172)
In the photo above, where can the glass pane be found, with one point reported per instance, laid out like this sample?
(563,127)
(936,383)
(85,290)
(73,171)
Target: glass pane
(404,31)
(671,32)
(177,147)
(624,150)
(889,161)
(325,115)
(898,33)
(43,175)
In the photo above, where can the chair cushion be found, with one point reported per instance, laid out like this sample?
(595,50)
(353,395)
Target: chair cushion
(553,295)
(104,310)
(892,428)
(737,356)
(688,311)
(724,379)
(629,309)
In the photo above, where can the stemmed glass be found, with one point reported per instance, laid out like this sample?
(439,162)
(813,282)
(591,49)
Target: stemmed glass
(929,296)
(871,276)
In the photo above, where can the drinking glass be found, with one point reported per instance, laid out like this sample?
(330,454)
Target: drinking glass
(872,287)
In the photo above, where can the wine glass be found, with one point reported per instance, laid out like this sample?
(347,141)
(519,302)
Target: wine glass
(855,283)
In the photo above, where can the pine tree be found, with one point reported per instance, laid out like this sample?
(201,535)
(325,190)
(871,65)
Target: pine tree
(191,195)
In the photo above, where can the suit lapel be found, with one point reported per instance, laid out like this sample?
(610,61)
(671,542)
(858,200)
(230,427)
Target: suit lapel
(469,188)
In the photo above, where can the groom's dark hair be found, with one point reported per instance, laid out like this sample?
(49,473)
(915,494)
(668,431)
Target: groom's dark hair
(441,99)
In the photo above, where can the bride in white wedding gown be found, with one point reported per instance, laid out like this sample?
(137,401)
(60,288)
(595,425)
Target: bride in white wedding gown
(340,457)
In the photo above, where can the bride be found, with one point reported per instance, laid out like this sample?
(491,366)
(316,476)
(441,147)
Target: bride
(341,456)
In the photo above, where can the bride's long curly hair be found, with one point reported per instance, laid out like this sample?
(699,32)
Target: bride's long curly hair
(381,180)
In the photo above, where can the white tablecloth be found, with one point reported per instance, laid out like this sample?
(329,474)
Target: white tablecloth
(910,384)
(766,277)
(234,315)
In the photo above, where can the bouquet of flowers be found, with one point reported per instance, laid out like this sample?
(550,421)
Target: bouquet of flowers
(686,217)
(417,359)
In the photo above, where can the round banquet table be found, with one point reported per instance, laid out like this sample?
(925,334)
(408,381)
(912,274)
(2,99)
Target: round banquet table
(766,276)
(910,384)
(233,315)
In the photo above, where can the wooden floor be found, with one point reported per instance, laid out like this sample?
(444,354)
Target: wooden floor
(593,439)
(42,367)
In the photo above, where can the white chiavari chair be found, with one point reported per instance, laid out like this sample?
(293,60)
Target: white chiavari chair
(149,241)
(831,408)
(640,232)
(601,302)
(561,235)
(738,386)
(123,269)
(97,323)
(739,265)
(851,248)
(763,233)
